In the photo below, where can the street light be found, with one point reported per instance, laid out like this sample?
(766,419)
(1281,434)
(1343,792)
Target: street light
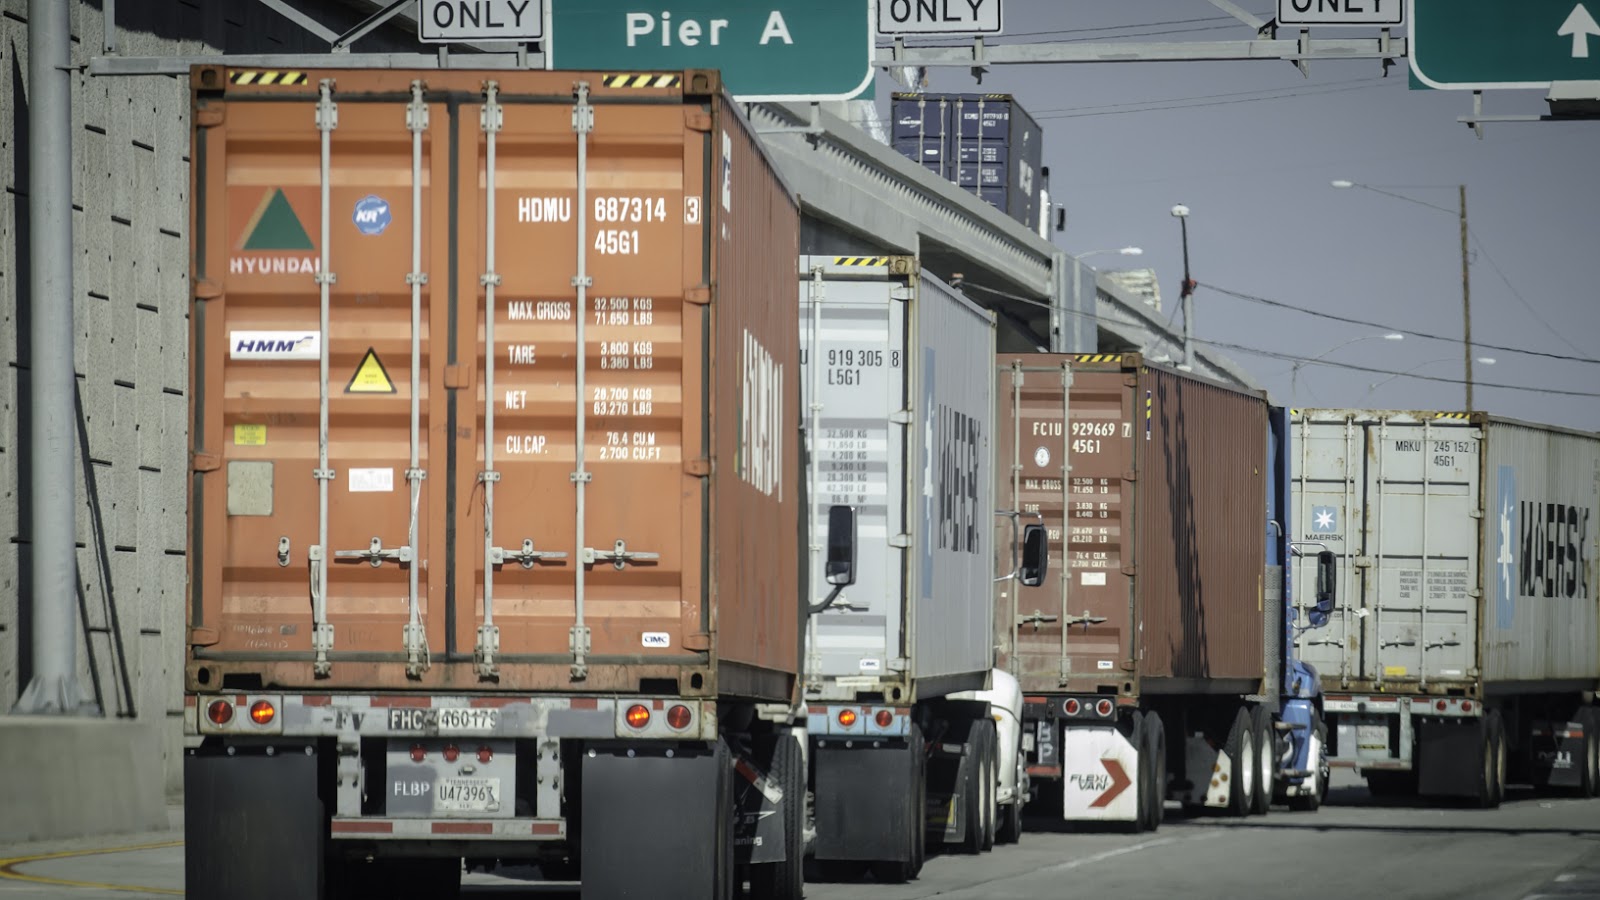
(1181,212)
(1294,378)
(1077,271)
(1482,360)
(1466,288)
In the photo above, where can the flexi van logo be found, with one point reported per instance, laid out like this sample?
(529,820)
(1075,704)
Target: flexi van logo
(273,240)
(760,456)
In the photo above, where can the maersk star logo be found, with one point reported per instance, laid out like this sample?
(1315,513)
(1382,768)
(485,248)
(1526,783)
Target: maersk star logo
(1505,606)
(1324,519)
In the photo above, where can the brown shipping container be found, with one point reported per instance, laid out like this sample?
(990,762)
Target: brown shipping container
(1162,581)
(689,358)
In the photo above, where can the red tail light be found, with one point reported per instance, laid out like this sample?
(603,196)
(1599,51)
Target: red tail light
(262,712)
(847,717)
(1103,708)
(417,753)
(884,718)
(484,755)
(678,717)
(451,753)
(220,712)
(1072,706)
(638,715)
(1466,706)
(1440,705)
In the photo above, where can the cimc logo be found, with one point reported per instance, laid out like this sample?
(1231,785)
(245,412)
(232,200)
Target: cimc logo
(760,457)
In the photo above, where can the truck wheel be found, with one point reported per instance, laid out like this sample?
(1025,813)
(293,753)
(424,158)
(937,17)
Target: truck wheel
(1155,748)
(1492,778)
(1589,778)
(1266,759)
(785,880)
(1010,828)
(1318,780)
(1241,750)
(991,782)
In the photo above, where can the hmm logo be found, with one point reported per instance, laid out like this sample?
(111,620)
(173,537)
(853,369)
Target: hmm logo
(760,457)
(274,345)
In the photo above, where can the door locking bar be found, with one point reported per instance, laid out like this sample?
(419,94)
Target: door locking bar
(527,556)
(377,553)
(618,557)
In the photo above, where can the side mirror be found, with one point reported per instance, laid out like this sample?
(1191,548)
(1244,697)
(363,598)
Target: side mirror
(840,568)
(1035,555)
(1327,581)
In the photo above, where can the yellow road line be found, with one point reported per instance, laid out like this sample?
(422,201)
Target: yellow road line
(8,868)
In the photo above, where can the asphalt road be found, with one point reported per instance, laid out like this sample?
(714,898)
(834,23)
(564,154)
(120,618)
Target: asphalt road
(1356,847)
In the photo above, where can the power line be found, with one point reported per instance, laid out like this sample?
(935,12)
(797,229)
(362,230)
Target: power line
(1069,109)
(1350,320)
(1290,357)
(1288,94)
(1518,294)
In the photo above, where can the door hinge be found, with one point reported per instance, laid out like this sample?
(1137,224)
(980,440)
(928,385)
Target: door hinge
(699,468)
(204,462)
(457,377)
(698,641)
(696,120)
(699,295)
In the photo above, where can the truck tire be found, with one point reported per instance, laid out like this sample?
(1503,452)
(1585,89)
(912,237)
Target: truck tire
(1009,830)
(1589,718)
(1266,759)
(1240,747)
(785,880)
(1491,786)
(991,782)
(1319,774)
(1155,748)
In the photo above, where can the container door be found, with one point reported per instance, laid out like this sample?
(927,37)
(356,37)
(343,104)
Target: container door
(1327,466)
(854,380)
(302,554)
(580,490)
(1421,541)
(1394,497)
(1073,631)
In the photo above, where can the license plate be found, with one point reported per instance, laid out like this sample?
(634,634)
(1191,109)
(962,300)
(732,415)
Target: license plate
(467,795)
(469,719)
(458,719)
(1372,737)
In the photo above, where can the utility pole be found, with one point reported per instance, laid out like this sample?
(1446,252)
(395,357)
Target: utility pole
(1187,293)
(1466,297)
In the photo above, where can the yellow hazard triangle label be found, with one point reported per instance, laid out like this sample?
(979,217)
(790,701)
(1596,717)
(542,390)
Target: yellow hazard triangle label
(370,377)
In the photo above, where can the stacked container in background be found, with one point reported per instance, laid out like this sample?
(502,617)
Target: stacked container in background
(985,143)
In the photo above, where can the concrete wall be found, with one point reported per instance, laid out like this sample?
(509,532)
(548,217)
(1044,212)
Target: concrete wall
(130,148)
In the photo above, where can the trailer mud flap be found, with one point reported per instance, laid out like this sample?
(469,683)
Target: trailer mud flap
(1449,757)
(1099,776)
(1556,754)
(253,827)
(864,801)
(657,825)
(758,824)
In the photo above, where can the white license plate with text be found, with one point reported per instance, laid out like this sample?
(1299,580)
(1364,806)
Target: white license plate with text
(467,795)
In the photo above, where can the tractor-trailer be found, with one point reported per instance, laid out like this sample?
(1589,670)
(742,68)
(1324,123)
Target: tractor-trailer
(1466,655)
(898,380)
(1152,661)
(495,507)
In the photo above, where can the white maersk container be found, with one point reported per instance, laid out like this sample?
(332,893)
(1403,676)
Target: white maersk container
(898,383)
(1466,646)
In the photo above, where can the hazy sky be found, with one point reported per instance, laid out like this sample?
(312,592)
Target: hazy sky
(1250,148)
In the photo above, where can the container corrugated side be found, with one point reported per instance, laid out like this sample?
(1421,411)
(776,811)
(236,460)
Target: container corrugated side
(856,376)
(1541,544)
(1041,428)
(689,401)
(952,524)
(1201,497)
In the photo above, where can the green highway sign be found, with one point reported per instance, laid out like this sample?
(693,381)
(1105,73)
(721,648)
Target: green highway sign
(766,49)
(1488,44)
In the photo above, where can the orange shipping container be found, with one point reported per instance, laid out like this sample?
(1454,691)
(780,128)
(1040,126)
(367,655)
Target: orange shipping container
(495,338)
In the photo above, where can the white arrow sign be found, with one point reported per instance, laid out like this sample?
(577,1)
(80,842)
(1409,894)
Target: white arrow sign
(1580,25)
